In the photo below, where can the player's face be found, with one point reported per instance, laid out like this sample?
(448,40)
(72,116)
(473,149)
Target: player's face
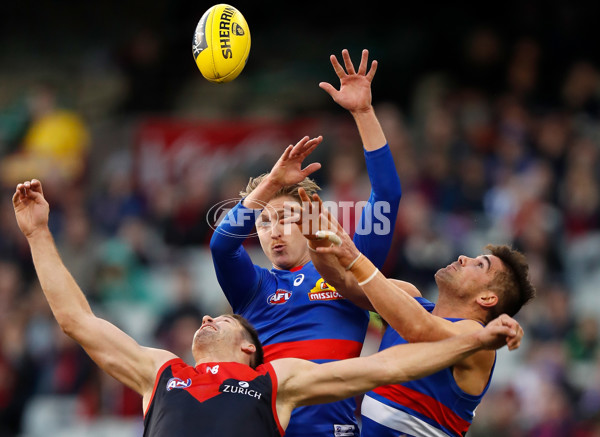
(468,275)
(284,244)
(222,328)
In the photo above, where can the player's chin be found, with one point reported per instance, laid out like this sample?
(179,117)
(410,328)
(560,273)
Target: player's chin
(282,261)
(441,276)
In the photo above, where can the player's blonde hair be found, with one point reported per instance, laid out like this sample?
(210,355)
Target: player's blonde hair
(308,184)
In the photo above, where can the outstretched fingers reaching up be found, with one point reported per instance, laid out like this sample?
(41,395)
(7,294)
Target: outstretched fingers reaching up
(355,87)
(288,169)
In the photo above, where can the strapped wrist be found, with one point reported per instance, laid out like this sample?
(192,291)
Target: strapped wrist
(363,270)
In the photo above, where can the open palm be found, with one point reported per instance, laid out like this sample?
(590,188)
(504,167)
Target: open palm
(355,86)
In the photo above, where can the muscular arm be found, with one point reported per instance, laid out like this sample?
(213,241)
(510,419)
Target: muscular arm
(304,383)
(114,351)
(392,300)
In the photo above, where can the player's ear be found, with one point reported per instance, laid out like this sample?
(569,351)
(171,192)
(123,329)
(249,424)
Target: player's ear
(248,348)
(487,299)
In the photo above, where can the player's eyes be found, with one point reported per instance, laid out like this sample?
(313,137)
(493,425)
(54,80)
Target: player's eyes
(264,223)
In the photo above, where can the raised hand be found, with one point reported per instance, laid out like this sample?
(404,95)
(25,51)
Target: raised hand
(305,216)
(318,223)
(346,252)
(354,94)
(31,208)
(288,169)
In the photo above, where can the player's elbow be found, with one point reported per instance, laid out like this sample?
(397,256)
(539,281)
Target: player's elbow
(72,324)
(68,324)
(392,192)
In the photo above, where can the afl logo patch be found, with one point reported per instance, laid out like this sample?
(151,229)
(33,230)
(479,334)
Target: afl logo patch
(279,297)
(178,383)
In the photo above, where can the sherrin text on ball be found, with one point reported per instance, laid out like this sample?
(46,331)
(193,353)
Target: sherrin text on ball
(221,43)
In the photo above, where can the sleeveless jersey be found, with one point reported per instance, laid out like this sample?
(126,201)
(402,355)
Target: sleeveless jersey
(433,406)
(295,312)
(225,399)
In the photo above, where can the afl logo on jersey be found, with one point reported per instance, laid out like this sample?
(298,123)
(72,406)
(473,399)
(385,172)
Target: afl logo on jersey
(279,297)
(178,383)
(323,291)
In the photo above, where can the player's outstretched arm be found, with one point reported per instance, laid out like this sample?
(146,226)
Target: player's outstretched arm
(303,382)
(354,95)
(375,229)
(236,273)
(114,351)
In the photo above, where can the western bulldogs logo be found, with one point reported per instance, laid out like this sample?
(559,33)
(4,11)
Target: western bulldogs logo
(178,383)
(279,297)
(323,291)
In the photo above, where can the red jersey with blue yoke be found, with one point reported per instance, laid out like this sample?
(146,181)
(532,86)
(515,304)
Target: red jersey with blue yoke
(224,399)
(433,406)
(295,312)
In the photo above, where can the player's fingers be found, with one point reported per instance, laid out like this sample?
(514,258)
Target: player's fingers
(292,218)
(371,73)
(329,89)
(36,186)
(348,62)
(303,195)
(502,332)
(24,189)
(337,67)
(318,201)
(311,168)
(287,152)
(329,235)
(16,198)
(333,223)
(364,59)
(303,148)
(335,250)
(512,344)
(310,146)
(303,142)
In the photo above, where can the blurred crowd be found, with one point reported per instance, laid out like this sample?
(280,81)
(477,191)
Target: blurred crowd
(487,152)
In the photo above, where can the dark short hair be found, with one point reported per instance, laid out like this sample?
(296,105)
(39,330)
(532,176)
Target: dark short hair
(258,357)
(513,286)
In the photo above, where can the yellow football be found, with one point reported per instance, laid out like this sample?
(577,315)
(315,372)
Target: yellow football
(221,43)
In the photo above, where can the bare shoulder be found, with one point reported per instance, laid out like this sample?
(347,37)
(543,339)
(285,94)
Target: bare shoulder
(157,358)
